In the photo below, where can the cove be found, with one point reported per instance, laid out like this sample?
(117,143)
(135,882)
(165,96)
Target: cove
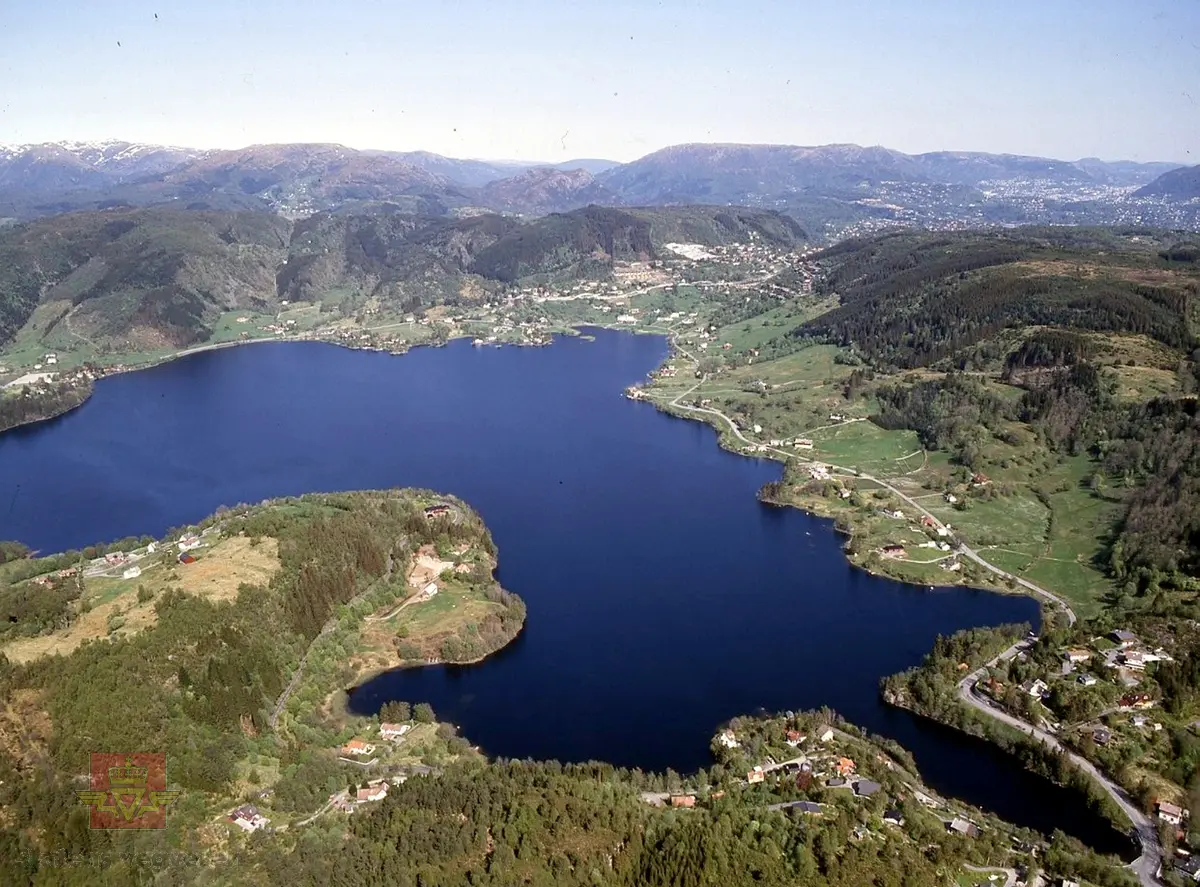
(663,597)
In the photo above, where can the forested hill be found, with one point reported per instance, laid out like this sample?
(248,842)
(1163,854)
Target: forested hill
(916,298)
(1016,349)
(140,279)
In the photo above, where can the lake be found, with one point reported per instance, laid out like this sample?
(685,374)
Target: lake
(663,597)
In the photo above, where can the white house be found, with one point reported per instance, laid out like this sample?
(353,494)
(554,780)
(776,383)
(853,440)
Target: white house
(248,818)
(431,589)
(132,572)
(727,739)
(1170,813)
(393,731)
(1038,689)
(375,792)
(824,734)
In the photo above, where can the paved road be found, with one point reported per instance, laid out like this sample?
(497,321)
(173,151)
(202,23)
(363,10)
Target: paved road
(1147,864)
(962,547)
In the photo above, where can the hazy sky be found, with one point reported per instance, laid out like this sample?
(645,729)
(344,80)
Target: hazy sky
(558,79)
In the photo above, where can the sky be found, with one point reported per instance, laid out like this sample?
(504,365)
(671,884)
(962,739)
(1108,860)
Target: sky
(552,80)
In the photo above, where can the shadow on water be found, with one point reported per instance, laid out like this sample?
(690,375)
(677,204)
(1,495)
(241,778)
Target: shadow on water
(663,598)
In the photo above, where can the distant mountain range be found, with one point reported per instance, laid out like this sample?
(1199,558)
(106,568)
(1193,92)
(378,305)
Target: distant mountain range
(821,186)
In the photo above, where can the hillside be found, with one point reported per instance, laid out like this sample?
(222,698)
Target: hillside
(1178,184)
(145,281)
(144,278)
(224,647)
(912,299)
(544,190)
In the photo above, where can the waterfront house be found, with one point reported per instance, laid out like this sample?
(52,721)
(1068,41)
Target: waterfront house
(1171,813)
(824,733)
(441,510)
(248,818)
(683,800)
(892,551)
(794,737)
(728,739)
(393,731)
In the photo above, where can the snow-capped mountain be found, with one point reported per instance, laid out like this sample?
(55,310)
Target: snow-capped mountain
(53,166)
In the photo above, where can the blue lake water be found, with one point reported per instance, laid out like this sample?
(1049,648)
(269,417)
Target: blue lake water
(663,597)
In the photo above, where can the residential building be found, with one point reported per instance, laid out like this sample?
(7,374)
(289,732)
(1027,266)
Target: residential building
(248,818)
(1101,736)
(131,572)
(824,733)
(728,739)
(811,808)
(1189,867)
(683,800)
(1038,689)
(1135,659)
(1077,655)
(794,738)
(864,788)
(1123,637)
(393,731)
(375,792)
(1088,680)
(844,767)
(1171,813)
(893,817)
(756,775)
(357,748)
(963,827)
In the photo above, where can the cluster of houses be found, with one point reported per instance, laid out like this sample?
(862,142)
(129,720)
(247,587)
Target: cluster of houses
(357,750)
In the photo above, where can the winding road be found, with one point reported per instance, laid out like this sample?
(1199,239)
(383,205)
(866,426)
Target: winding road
(1148,864)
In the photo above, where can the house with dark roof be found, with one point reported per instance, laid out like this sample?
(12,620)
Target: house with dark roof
(864,788)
